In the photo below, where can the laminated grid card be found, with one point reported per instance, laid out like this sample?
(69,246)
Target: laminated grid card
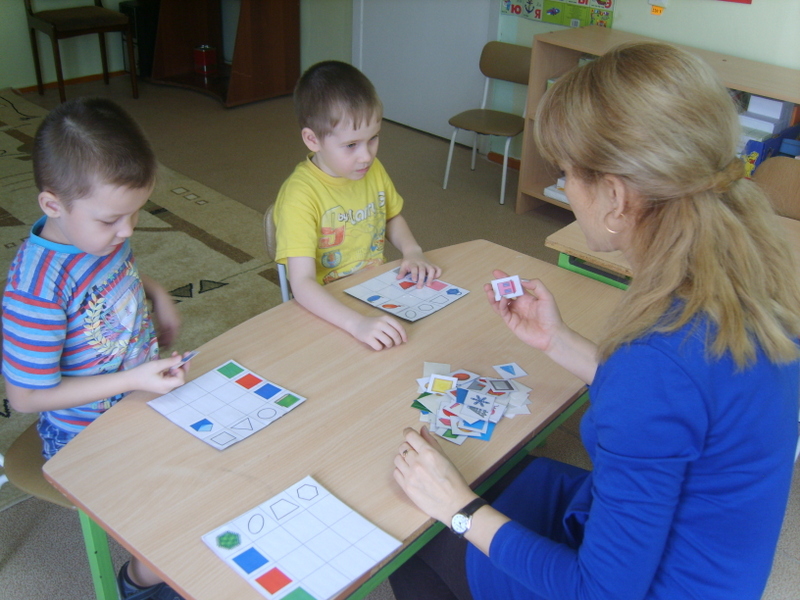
(302,544)
(226,405)
(402,297)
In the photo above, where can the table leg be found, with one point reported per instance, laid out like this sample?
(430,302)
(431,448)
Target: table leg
(103,575)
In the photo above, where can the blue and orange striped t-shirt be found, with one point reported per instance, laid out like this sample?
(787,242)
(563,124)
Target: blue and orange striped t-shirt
(67,313)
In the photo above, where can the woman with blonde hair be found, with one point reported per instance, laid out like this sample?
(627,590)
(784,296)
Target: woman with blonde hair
(694,387)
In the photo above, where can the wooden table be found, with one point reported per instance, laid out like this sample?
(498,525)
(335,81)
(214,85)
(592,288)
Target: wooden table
(157,489)
(571,243)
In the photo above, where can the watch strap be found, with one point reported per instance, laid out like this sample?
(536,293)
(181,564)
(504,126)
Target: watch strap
(470,509)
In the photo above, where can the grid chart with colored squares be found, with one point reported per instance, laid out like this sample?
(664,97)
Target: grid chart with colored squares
(301,544)
(402,297)
(226,405)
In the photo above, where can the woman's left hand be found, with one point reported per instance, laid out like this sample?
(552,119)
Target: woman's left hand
(429,478)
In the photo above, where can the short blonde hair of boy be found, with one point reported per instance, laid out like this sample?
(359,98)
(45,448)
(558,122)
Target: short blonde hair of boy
(333,92)
(706,240)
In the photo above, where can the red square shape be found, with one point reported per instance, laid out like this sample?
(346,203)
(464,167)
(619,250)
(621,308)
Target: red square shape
(248,380)
(273,580)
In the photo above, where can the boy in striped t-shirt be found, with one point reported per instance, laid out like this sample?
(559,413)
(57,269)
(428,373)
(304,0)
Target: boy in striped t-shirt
(77,332)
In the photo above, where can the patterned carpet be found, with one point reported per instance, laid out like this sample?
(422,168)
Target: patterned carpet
(207,249)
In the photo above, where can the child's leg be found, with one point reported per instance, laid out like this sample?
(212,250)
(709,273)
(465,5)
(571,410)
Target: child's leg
(53,438)
(137,582)
(141,575)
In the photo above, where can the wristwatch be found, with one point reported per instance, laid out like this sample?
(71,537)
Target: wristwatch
(462,520)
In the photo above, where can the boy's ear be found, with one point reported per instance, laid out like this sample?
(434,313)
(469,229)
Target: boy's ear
(310,139)
(51,205)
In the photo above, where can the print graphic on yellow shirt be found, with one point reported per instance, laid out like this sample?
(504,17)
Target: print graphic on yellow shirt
(339,222)
(331,232)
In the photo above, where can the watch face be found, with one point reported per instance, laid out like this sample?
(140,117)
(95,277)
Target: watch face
(460,523)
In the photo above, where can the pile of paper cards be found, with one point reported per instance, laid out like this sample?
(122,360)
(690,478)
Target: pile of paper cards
(460,404)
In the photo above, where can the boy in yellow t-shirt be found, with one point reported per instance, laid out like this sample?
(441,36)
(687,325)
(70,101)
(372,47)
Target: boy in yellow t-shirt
(335,210)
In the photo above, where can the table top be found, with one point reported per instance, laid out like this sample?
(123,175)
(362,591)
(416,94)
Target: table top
(157,490)
(570,240)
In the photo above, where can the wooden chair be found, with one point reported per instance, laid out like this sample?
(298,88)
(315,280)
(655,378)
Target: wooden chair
(71,22)
(270,235)
(780,178)
(506,62)
(23,467)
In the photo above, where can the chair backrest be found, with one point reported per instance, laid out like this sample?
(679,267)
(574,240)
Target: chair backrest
(509,62)
(270,233)
(29,5)
(271,239)
(780,178)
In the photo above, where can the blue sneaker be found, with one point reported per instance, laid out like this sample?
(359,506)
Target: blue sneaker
(130,591)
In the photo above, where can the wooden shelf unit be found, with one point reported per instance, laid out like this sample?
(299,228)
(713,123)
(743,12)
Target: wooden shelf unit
(266,56)
(555,53)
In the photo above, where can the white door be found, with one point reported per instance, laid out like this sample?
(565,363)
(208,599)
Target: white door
(422,56)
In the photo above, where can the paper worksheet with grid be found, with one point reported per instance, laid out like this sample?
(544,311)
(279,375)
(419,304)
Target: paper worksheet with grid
(226,405)
(302,544)
(402,297)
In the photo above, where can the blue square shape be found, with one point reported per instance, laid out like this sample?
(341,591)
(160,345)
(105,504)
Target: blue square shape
(268,390)
(250,560)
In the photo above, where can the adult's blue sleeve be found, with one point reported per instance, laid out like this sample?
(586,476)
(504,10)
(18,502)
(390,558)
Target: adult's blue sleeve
(650,421)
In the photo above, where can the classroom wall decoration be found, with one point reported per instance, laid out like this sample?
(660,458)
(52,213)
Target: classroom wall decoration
(569,13)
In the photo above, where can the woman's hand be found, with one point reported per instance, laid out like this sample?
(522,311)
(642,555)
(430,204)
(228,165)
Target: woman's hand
(429,478)
(533,317)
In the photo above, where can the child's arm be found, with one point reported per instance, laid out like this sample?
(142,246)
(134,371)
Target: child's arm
(377,332)
(168,321)
(156,376)
(414,262)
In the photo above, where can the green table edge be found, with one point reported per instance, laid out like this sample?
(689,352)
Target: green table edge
(576,265)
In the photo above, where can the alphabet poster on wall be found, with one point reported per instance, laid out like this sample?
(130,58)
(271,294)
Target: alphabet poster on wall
(569,13)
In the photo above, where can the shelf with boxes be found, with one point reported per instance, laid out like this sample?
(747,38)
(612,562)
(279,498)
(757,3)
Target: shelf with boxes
(554,53)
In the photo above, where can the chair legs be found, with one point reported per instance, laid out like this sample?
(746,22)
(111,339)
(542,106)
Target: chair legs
(59,74)
(449,159)
(103,57)
(505,172)
(474,152)
(132,62)
(36,64)
(3,478)
(284,282)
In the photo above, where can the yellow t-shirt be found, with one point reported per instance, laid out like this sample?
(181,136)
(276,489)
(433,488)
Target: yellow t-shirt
(339,222)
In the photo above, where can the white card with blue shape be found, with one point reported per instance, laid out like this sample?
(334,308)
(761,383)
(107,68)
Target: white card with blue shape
(402,298)
(510,370)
